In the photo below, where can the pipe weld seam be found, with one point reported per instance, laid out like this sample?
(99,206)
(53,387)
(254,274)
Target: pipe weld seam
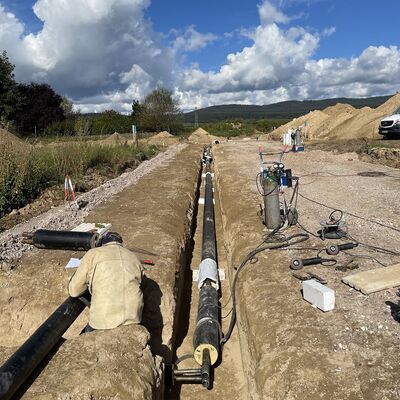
(208,269)
(204,320)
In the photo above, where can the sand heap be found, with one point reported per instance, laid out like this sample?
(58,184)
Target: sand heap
(8,139)
(201,136)
(365,123)
(163,138)
(341,121)
(116,138)
(314,120)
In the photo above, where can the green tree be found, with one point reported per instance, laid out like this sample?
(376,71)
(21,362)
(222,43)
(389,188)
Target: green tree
(83,126)
(136,106)
(41,107)
(111,121)
(8,95)
(67,106)
(160,111)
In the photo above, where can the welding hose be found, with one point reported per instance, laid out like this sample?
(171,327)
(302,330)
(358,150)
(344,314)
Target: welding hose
(302,237)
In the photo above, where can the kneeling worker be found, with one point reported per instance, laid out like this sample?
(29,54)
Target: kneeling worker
(113,275)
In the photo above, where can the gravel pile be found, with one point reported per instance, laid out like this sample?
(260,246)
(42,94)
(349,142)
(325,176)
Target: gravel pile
(68,216)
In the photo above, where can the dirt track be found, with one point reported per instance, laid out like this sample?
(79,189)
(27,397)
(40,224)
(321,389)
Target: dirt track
(286,349)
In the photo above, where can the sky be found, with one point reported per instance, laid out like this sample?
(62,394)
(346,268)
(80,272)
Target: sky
(102,54)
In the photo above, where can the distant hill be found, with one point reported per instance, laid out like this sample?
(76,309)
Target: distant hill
(282,110)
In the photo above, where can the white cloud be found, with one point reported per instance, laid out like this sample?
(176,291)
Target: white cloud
(329,31)
(10,28)
(192,40)
(91,47)
(276,58)
(280,64)
(269,14)
(104,53)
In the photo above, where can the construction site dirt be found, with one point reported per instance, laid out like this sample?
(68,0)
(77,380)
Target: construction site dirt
(282,347)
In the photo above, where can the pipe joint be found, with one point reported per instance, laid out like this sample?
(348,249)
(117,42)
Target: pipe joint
(208,269)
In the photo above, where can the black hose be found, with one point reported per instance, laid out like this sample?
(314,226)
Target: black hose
(286,243)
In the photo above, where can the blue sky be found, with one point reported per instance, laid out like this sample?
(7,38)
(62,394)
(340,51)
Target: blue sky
(207,52)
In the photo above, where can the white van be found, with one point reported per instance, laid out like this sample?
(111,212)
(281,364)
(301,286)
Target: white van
(390,126)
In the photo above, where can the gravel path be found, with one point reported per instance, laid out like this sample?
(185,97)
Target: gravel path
(67,216)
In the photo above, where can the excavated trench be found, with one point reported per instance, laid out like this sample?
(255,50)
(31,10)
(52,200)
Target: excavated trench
(228,376)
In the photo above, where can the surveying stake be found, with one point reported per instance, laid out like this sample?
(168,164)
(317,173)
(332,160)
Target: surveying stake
(67,188)
(273,178)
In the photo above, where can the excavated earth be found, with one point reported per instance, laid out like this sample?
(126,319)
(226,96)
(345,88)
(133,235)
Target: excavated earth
(282,347)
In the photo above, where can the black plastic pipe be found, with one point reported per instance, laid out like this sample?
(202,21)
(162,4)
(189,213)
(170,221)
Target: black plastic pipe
(209,241)
(63,240)
(23,362)
(206,338)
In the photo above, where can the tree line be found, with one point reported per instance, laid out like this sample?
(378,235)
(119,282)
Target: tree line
(36,109)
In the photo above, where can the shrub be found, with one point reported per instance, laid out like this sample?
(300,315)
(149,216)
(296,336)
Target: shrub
(25,173)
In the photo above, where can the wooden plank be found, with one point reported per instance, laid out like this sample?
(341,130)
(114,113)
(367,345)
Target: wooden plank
(375,280)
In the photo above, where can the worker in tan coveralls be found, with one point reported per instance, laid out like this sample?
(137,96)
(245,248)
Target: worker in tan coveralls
(113,275)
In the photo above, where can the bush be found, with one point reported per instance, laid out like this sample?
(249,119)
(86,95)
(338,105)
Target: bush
(24,174)
(109,122)
(61,128)
(238,127)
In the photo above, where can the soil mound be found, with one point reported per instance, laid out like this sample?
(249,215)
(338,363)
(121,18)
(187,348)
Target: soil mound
(341,121)
(164,134)
(163,138)
(7,138)
(391,105)
(314,120)
(116,137)
(201,136)
(340,108)
(360,123)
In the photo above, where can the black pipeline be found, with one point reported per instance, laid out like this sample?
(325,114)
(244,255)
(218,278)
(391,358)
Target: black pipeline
(23,362)
(61,240)
(206,339)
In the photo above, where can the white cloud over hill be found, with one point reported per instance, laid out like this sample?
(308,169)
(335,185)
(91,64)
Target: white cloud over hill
(104,53)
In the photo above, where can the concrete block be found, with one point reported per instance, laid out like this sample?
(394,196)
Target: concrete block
(319,295)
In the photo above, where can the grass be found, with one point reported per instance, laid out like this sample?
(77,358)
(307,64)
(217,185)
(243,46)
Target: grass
(25,173)
(241,127)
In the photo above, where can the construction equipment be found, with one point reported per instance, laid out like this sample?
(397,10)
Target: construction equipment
(299,263)
(334,228)
(334,249)
(298,143)
(273,178)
